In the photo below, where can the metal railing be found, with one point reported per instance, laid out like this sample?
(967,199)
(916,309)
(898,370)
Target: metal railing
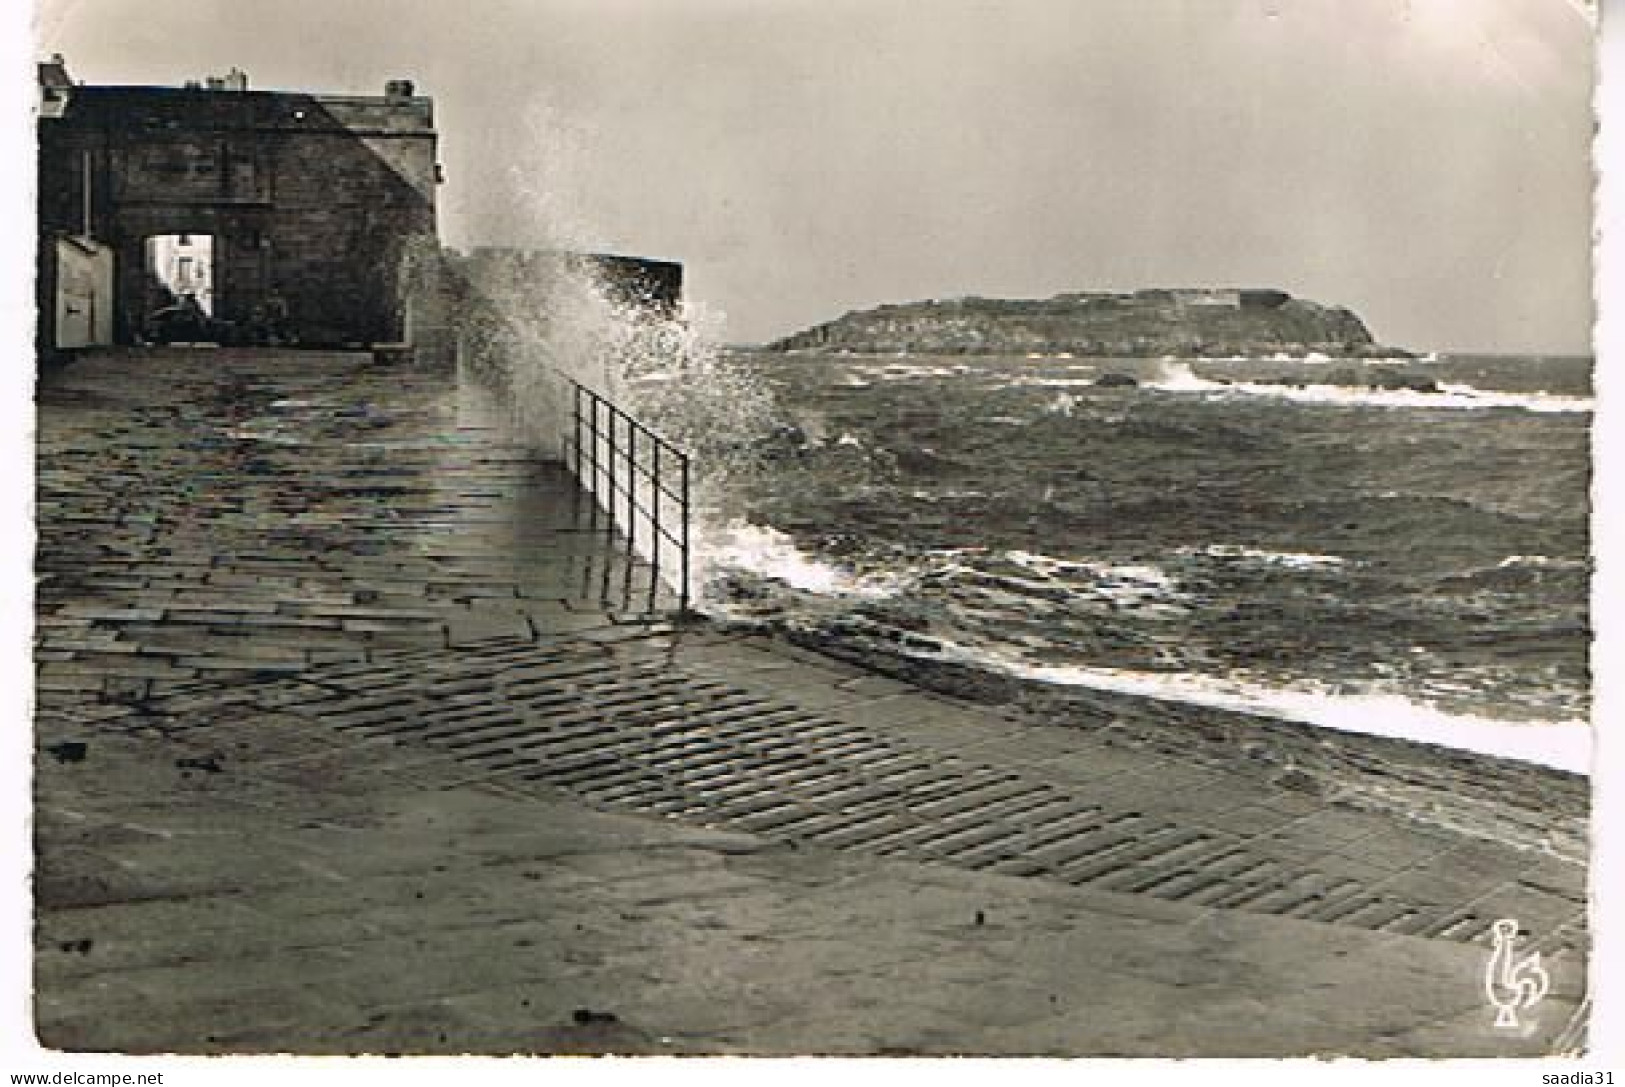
(640,480)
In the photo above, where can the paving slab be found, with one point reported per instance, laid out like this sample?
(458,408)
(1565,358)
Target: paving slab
(692,938)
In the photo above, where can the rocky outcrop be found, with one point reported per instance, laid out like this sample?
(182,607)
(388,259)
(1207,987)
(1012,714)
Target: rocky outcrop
(1116,381)
(1143,324)
(1368,378)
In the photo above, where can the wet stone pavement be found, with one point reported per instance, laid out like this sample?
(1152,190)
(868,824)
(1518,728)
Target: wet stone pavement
(356,735)
(206,516)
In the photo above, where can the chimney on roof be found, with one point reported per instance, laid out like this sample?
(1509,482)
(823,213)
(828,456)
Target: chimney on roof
(234,80)
(54,85)
(398,90)
(54,72)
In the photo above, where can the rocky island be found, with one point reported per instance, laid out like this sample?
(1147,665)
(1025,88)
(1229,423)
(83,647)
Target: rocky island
(1157,323)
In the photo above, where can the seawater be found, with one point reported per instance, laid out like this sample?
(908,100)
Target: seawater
(1256,534)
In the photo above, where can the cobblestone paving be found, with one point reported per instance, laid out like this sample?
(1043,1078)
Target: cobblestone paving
(630,720)
(205,516)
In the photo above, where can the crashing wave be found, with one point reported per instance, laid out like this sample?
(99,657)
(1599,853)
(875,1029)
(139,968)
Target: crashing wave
(1179,377)
(739,547)
(1299,560)
(1562,745)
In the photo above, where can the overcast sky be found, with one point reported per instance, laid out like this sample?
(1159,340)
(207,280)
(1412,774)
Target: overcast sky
(1422,161)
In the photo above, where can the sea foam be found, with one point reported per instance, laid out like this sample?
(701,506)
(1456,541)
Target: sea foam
(738,546)
(1178,377)
(1298,560)
(1562,745)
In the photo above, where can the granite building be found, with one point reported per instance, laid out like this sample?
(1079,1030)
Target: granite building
(306,207)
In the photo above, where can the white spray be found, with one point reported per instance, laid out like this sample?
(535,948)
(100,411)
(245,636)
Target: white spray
(559,321)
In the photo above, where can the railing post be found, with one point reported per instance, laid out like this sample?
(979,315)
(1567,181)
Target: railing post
(682,592)
(631,485)
(598,453)
(579,426)
(631,510)
(589,465)
(656,540)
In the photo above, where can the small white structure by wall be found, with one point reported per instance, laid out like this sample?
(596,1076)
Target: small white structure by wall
(84,293)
